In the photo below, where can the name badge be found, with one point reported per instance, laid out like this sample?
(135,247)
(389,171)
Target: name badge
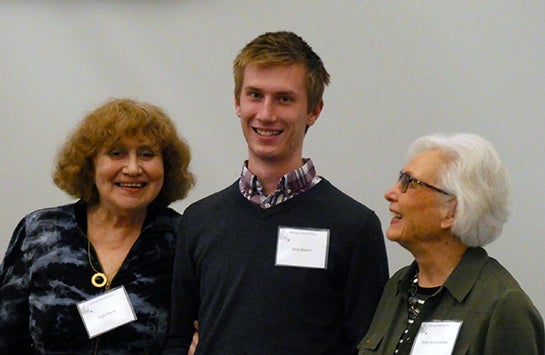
(301,247)
(106,312)
(436,338)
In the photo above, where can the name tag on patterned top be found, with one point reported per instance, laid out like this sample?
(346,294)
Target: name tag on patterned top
(106,312)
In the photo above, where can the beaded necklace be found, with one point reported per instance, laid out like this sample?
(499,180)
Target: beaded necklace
(413,304)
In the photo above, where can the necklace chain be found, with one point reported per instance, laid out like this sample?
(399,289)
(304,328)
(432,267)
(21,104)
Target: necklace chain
(99,279)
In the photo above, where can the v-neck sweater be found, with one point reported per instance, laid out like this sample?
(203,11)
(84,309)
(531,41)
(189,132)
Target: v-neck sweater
(225,275)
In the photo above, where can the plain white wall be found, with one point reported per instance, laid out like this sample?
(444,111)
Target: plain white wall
(400,69)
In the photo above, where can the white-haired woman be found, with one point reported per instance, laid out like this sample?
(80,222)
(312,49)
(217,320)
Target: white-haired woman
(450,200)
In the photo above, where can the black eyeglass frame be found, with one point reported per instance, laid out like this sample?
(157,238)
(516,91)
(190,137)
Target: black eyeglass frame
(406,179)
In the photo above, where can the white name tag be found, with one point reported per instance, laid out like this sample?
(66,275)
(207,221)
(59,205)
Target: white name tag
(436,338)
(106,312)
(302,247)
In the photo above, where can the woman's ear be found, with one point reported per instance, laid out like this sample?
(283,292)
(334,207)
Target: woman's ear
(450,215)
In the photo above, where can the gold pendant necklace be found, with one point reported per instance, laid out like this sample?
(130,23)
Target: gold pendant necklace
(99,279)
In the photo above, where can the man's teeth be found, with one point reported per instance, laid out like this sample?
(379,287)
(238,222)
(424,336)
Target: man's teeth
(267,133)
(131,184)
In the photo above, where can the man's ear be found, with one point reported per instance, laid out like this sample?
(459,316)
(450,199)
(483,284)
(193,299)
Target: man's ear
(237,106)
(314,114)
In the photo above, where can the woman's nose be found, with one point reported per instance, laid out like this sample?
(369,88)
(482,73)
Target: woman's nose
(133,166)
(392,193)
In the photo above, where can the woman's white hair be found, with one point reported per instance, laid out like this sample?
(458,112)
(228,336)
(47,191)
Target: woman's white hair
(476,176)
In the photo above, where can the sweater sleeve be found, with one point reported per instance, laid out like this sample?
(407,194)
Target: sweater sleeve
(184,299)
(14,294)
(516,327)
(367,275)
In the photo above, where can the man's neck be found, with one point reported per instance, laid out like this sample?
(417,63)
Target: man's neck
(270,173)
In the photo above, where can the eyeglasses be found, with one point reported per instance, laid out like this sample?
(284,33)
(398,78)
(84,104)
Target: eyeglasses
(406,179)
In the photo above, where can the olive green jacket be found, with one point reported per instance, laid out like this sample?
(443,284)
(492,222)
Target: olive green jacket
(498,317)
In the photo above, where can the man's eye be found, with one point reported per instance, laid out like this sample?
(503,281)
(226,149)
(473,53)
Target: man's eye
(285,99)
(254,95)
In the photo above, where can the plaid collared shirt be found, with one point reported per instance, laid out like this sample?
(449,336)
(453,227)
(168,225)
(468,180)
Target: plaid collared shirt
(290,185)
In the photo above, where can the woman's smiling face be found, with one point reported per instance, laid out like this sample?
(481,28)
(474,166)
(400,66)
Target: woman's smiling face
(418,212)
(128,176)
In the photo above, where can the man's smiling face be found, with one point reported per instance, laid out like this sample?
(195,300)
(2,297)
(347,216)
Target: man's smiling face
(273,111)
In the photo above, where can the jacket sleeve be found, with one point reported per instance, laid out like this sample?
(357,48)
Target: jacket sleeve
(14,294)
(516,327)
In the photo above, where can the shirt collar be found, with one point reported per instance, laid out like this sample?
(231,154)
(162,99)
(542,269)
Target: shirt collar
(291,184)
(461,280)
(464,276)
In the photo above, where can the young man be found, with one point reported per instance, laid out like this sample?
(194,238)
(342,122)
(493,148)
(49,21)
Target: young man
(281,261)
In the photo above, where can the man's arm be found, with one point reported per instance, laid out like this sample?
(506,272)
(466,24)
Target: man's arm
(367,275)
(184,299)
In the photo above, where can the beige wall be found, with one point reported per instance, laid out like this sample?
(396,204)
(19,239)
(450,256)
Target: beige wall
(400,69)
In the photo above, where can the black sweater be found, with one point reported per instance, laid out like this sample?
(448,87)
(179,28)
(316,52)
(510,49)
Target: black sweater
(225,275)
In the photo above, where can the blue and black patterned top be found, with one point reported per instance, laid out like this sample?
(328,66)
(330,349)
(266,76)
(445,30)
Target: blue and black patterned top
(46,272)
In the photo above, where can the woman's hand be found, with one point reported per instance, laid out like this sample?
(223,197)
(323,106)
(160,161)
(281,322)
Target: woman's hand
(195,339)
